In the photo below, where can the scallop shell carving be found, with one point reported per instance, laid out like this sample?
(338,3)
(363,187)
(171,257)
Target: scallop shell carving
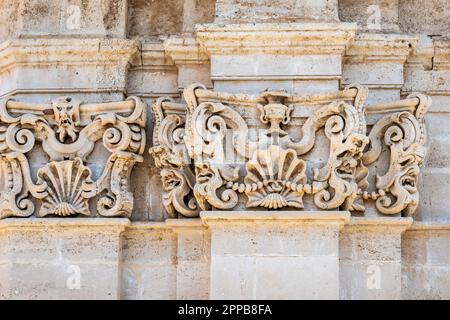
(69,188)
(275,179)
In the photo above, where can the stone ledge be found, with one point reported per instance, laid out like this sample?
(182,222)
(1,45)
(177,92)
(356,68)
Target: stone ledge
(65,50)
(383,47)
(378,224)
(38,223)
(301,217)
(68,65)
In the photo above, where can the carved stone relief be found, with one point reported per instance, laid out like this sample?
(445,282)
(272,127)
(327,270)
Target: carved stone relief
(68,131)
(210,157)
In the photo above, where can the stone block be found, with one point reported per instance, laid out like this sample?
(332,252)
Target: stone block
(274,65)
(74,258)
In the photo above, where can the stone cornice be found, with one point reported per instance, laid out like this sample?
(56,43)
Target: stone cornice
(311,218)
(111,224)
(282,38)
(441,59)
(67,51)
(185,50)
(378,224)
(153,56)
(384,47)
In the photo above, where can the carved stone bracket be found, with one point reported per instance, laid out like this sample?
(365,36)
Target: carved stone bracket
(220,148)
(68,131)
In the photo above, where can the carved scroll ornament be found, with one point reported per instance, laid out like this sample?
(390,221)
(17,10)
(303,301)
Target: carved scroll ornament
(68,131)
(210,156)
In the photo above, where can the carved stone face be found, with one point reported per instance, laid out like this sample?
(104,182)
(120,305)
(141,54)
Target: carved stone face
(346,168)
(349,159)
(66,118)
(204,173)
(170,180)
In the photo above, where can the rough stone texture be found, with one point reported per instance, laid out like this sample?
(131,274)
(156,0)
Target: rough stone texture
(165,17)
(237,11)
(429,17)
(30,18)
(122,48)
(379,16)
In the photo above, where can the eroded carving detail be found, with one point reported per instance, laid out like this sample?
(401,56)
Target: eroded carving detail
(68,131)
(404,134)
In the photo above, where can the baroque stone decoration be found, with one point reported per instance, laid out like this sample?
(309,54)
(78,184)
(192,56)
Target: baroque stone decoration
(219,148)
(68,131)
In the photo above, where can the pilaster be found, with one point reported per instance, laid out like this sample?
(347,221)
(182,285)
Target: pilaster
(370,258)
(274,255)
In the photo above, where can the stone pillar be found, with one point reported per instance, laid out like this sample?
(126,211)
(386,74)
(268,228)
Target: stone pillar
(298,57)
(274,255)
(193,258)
(71,258)
(370,258)
(377,61)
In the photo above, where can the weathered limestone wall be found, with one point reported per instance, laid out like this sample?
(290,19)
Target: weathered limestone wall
(99,51)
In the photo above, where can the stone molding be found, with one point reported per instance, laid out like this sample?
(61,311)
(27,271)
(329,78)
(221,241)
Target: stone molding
(380,47)
(68,131)
(185,50)
(110,224)
(189,147)
(309,218)
(280,38)
(379,224)
(201,224)
(67,51)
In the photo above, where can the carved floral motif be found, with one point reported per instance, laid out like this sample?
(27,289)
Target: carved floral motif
(209,156)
